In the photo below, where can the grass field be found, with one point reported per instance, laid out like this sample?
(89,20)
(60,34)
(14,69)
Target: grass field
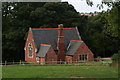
(59,71)
(0,71)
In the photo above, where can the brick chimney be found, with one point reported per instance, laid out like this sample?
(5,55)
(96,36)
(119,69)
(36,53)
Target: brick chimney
(60,43)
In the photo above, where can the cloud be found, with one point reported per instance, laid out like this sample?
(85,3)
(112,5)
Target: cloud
(81,5)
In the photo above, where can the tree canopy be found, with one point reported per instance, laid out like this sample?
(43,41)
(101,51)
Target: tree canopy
(99,32)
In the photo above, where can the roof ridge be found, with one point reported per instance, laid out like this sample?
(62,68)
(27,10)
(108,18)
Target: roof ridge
(77,40)
(50,28)
(45,45)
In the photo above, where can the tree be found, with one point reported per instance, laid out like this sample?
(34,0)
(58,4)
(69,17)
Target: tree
(116,57)
(99,32)
(104,37)
(18,17)
(112,16)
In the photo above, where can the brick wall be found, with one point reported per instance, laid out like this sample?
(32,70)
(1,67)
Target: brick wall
(30,40)
(51,57)
(83,49)
(60,44)
(42,61)
(69,59)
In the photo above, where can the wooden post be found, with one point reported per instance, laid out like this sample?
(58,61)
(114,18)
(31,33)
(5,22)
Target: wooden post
(13,61)
(60,61)
(20,61)
(1,62)
(5,62)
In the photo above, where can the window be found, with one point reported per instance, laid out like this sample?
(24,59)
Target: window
(83,57)
(30,50)
(37,59)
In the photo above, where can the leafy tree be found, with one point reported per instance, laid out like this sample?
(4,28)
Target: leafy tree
(113,17)
(18,17)
(116,57)
(96,36)
(102,30)
(99,32)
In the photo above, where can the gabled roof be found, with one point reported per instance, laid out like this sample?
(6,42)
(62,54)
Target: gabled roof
(73,46)
(44,48)
(50,36)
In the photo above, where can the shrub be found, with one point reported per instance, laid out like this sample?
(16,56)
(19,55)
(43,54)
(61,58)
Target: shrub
(116,57)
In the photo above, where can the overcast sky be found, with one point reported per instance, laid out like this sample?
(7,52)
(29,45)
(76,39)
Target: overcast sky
(81,5)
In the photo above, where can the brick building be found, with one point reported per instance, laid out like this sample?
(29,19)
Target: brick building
(56,46)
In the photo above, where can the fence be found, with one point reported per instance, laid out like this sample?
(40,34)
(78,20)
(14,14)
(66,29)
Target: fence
(57,63)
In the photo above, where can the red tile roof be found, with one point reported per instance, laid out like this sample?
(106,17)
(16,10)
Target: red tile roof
(45,45)
(77,40)
(50,28)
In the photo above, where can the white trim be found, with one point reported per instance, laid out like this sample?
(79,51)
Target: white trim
(37,59)
(35,49)
(30,28)
(58,43)
(24,48)
(69,45)
(78,33)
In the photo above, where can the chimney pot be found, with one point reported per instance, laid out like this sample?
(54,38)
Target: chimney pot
(60,26)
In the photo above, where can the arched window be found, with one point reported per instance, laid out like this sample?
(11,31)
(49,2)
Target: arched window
(30,50)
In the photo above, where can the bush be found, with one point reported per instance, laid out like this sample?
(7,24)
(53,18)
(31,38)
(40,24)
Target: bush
(116,57)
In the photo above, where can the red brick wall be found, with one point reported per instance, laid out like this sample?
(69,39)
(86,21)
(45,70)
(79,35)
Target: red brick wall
(68,59)
(30,40)
(60,44)
(83,49)
(42,60)
(51,57)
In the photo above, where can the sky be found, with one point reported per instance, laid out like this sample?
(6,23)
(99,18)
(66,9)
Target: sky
(81,5)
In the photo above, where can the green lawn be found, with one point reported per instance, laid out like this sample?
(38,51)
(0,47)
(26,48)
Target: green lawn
(59,71)
(0,71)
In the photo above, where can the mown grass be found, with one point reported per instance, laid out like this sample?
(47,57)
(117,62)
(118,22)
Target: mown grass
(60,71)
(0,71)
